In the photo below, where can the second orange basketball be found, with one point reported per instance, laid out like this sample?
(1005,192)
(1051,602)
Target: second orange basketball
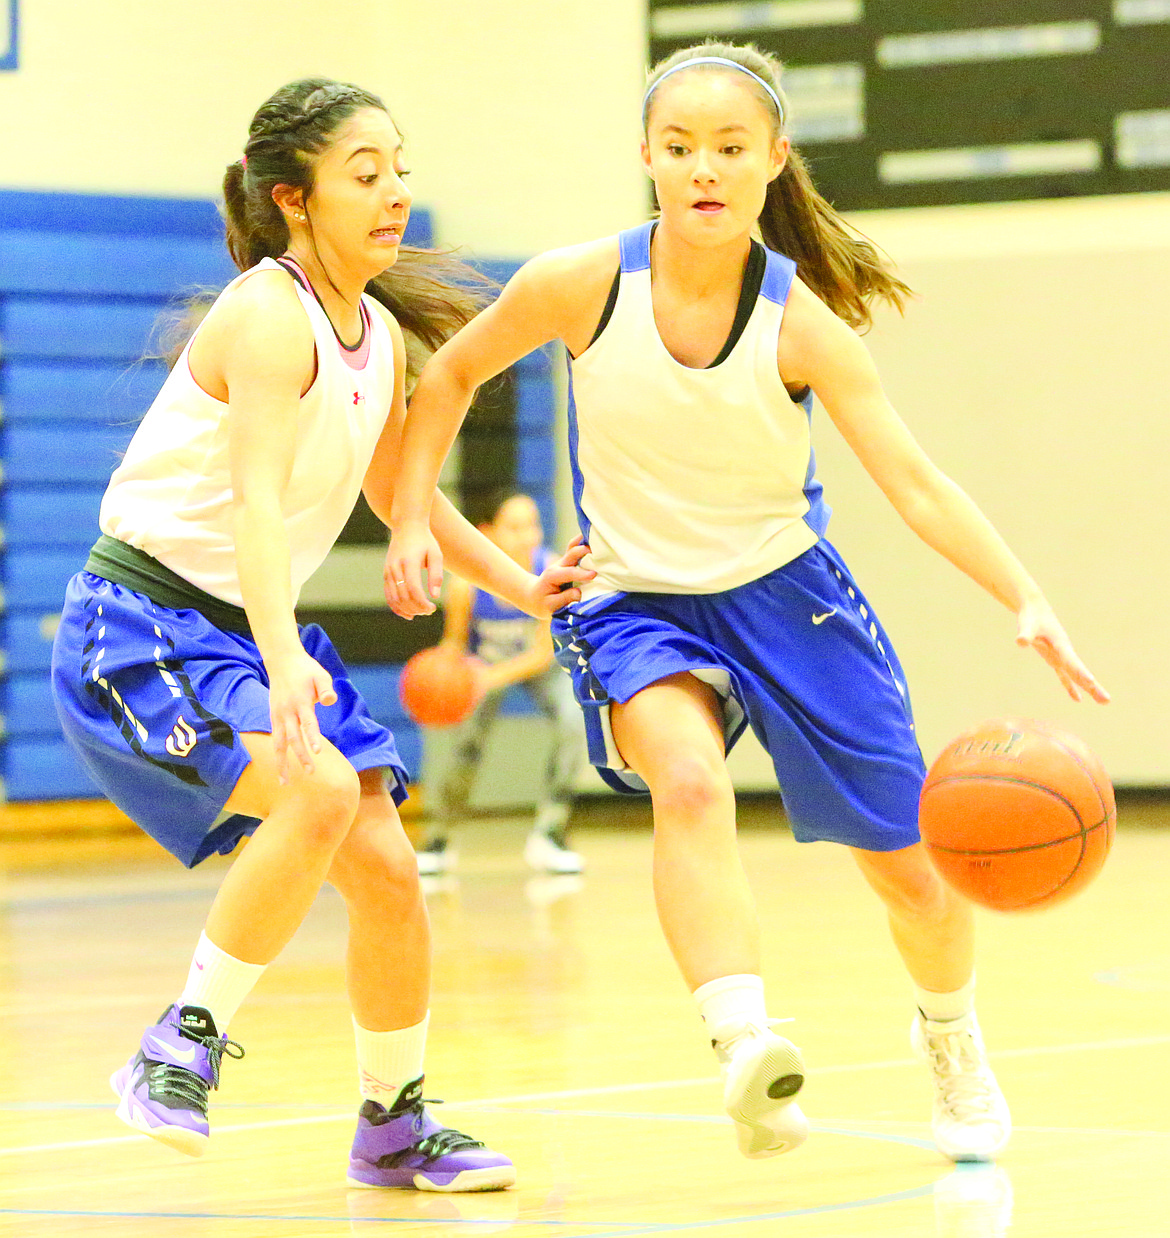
(1017,814)
(439,687)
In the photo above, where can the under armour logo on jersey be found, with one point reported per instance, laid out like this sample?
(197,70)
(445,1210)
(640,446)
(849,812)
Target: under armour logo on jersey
(182,739)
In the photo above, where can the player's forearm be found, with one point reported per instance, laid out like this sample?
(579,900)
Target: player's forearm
(947,520)
(531,662)
(469,554)
(437,409)
(264,568)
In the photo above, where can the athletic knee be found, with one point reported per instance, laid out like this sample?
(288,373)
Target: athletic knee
(689,788)
(376,864)
(919,894)
(326,801)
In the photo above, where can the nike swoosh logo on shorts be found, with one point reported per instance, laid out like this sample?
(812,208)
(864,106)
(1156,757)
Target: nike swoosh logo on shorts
(819,619)
(180,1055)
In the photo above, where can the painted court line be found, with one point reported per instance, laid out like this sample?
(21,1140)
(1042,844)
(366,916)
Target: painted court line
(615,1089)
(612,1229)
(583,1228)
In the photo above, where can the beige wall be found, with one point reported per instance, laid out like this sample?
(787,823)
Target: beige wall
(517,113)
(1034,366)
(1035,369)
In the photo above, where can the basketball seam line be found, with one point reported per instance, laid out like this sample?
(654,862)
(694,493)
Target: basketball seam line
(1022,782)
(1056,842)
(1056,739)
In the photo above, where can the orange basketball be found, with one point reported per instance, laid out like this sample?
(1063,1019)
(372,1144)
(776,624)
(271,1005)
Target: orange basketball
(1017,814)
(439,687)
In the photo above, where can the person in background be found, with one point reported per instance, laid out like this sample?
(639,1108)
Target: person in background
(513,648)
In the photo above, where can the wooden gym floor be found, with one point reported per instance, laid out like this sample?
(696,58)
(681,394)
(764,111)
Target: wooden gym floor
(561,1034)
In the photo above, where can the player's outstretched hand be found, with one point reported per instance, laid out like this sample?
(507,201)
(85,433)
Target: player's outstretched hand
(558,584)
(296,687)
(1040,629)
(413,575)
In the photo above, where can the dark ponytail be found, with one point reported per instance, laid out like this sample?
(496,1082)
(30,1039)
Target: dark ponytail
(841,266)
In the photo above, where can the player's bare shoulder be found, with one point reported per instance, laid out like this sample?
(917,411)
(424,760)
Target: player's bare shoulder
(260,322)
(808,331)
(572,284)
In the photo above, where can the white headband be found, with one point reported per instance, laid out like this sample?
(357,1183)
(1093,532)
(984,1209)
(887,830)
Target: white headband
(730,64)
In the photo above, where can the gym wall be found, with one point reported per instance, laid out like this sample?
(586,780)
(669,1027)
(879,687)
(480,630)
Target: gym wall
(1032,365)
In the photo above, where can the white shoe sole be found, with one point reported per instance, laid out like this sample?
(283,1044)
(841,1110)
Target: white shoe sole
(432,865)
(763,1127)
(189,1142)
(492,1178)
(568,864)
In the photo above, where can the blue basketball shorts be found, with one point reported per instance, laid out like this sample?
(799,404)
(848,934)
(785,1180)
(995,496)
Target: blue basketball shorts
(153,701)
(800,657)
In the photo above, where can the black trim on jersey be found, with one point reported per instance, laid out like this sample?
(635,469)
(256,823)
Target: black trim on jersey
(753,281)
(293,268)
(749,293)
(610,302)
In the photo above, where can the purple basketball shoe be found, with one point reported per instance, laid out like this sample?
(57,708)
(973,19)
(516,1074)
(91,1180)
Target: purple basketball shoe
(405,1148)
(163,1089)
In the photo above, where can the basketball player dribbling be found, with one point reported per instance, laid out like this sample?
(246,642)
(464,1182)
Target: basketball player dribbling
(181,677)
(718,603)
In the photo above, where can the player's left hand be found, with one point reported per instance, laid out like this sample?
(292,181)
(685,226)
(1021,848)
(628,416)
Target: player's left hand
(557,585)
(1040,629)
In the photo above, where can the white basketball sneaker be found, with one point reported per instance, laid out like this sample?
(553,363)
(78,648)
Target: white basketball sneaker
(546,851)
(436,858)
(971,1121)
(762,1072)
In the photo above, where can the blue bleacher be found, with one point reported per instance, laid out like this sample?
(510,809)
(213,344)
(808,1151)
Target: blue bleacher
(83,282)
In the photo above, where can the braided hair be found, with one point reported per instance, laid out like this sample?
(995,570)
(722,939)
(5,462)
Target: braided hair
(430,293)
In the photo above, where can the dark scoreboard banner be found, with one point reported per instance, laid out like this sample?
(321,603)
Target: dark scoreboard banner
(934,102)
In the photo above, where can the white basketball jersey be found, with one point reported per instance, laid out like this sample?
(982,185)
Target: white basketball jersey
(688,480)
(172,494)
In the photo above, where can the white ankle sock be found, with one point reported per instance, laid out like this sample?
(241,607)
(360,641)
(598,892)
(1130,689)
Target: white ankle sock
(387,1060)
(945,1007)
(730,1003)
(218,982)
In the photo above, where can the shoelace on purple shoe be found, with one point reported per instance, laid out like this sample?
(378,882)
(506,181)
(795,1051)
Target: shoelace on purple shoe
(185,1085)
(429,1147)
(216,1047)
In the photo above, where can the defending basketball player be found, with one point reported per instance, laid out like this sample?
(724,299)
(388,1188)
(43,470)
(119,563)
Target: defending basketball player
(718,603)
(181,677)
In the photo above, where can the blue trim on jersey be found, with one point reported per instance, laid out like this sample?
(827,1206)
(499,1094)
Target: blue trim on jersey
(817,516)
(778,276)
(634,245)
(574,467)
